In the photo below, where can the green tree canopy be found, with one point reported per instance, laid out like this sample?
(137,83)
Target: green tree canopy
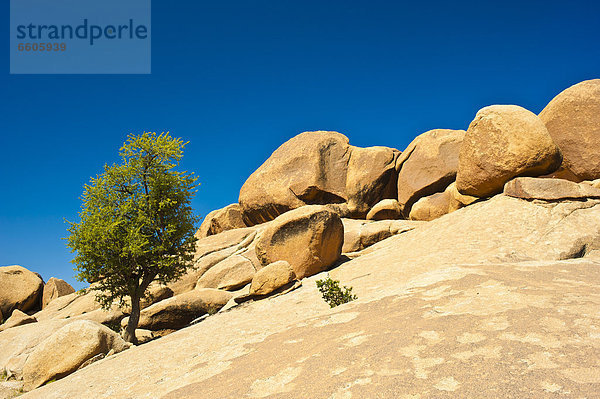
(137,224)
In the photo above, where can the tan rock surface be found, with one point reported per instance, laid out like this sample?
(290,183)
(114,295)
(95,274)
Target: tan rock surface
(387,209)
(503,142)
(472,316)
(309,238)
(428,165)
(431,207)
(81,306)
(212,250)
(55,288)
(65,350)
(18,342)
(440,204)
(549,189)
(143,336)
(310,168)
(178,311)
(360,234)
(271,277)
(230,274)
(371,177)
(573,121)
(220,220)
(17,318)
(19,289)
(319,168)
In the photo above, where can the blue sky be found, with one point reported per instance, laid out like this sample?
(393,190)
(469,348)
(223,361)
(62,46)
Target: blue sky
(238,78)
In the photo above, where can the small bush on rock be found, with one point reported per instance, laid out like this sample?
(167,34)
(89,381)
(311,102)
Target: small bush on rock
(333,294)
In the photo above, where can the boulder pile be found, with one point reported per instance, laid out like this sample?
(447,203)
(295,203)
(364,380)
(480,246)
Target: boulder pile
(318,202)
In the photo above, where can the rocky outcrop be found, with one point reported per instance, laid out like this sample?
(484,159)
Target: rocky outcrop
(177,312)
(221,220)
(64,351)
(479,289)
(19,289)
(387,209)
(318,168)
(271,277)
(531,188)
(503,142)
(573,121)
(309,238)
(17,318)
(55,288)
(428,165)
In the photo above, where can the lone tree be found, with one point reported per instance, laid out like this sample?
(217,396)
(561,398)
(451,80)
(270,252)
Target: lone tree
(137,224)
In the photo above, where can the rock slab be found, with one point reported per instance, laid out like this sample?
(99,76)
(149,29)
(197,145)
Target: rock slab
(531,188)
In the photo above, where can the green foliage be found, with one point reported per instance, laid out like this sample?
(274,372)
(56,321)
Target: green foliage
(137,223)
(333,294)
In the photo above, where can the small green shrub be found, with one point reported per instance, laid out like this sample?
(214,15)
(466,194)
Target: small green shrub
(333,294)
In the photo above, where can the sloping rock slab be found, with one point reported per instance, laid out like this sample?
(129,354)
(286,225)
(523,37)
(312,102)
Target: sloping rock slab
(496,330)
(549,189)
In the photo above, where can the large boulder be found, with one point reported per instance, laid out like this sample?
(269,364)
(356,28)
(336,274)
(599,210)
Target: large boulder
(371,177)
(55,288)
(309,238)
(19,289)
(549,189)
(573,121)
(503,142)
(178,311)
(319,168)
(271,277)
(68,348)
(428,165)
(221,220)
(17,318)
(310,168)
(230,274)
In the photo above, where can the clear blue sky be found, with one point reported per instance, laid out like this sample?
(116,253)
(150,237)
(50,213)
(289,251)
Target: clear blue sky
(238,78)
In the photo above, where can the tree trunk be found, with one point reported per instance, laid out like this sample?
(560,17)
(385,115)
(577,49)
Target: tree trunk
(134,319)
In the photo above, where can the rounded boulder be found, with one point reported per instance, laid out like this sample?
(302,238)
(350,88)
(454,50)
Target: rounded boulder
(19,289)
(503,142)
(573,120)
(309,238)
